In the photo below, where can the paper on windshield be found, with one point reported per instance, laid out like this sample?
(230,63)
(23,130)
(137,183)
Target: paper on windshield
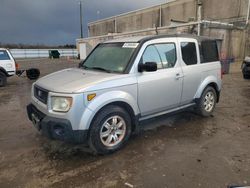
(130,45)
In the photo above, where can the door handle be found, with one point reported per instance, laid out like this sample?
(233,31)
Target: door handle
(178,76)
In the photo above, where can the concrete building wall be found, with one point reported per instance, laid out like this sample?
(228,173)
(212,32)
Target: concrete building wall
(224,9)
(247,45)
(156,16)
(236,42)
(102,28)
(138,20)
(184,10)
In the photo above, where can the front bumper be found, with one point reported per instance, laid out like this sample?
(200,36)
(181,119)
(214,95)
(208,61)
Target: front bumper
(55,128)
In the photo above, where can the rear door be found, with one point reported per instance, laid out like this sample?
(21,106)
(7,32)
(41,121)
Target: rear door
(190,62)
(160,90)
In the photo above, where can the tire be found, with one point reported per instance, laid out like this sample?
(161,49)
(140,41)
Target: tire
(33,74)
(3,79)
(245,76)
(110,130)
(207,102)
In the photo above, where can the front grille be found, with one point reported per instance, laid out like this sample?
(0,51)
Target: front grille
(41,94)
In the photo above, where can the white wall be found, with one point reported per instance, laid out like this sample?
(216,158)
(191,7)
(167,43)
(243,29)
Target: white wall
(41,53)
(83,51)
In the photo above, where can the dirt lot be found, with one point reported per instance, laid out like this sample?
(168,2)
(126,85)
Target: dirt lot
(183,150)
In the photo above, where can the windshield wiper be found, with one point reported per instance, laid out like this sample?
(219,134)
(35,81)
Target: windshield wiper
(97,68)
(84,67)
(100,68)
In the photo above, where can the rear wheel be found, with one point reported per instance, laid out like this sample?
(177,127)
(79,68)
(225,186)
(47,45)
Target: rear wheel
(207,102)
(3,79)
(110,130)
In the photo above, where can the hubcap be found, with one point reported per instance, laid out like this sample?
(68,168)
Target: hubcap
(113,131)
(209,101)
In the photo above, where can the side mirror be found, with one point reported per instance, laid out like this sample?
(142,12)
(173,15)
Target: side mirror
(148,67)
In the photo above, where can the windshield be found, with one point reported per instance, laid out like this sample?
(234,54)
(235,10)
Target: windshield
(110,57)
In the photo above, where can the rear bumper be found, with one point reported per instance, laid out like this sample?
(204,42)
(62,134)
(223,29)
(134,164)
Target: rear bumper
(55,128)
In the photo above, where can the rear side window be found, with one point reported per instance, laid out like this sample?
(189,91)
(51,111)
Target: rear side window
(209,51)
(4,55)
(189,55)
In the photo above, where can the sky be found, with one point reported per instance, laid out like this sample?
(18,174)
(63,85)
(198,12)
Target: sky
(56,22)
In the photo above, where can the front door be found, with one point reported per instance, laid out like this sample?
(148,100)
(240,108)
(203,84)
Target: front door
(160,90)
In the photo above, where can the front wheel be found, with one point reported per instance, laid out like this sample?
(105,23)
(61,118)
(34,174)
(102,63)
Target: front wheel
(110,130)
(3,79)
(207,102)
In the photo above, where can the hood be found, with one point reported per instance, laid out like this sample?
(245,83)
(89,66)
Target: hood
(72,80)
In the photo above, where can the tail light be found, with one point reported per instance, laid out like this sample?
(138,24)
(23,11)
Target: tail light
(17,66)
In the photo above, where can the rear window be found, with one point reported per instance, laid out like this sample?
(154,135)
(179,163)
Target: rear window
(209,51)
(4,55)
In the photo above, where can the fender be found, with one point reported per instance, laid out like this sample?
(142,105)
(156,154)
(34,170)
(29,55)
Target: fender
(8,74)
(103,100)
(4,71)
(208,80)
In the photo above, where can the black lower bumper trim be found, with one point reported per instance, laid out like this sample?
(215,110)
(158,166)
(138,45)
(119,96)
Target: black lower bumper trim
(55,128)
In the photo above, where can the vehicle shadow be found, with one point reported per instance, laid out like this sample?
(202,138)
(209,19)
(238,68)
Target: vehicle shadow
(183,125)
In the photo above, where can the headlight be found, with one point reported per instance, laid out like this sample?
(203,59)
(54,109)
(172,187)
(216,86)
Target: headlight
(61,104)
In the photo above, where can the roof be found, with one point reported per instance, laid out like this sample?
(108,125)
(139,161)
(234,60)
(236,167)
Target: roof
(127,39)
(142,39)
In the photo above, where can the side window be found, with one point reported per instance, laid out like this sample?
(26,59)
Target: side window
(209,51)
(151,55)
(4,55)
(189,54)
(167,53)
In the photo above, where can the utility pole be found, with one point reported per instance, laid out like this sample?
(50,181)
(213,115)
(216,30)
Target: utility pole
(199,4)
(81,19)
(248,12)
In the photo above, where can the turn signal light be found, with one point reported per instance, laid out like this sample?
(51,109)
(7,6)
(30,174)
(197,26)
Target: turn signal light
(90,97)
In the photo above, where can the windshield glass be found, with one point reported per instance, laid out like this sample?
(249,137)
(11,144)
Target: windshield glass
(110,57)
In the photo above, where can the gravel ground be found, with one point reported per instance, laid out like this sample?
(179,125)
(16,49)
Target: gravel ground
(181,150)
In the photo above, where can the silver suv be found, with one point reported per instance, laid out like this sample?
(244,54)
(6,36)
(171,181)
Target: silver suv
(125,81)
